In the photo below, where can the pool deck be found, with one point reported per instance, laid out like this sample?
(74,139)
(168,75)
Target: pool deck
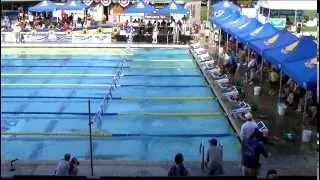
(289,159)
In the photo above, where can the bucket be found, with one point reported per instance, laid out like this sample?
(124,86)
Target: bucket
(256,90)
(306,135)
(281,109)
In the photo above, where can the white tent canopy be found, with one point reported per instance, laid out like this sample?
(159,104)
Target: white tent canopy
(289,5)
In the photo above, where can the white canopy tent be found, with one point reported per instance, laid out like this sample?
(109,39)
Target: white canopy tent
(289,5)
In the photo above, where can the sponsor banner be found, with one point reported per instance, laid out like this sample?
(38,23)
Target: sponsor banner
(156,17)
(95,38)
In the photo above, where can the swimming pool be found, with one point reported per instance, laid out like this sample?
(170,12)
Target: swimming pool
(162,106)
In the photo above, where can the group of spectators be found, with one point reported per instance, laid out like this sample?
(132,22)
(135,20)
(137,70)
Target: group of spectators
(292,95)
(28,21)
(178,29)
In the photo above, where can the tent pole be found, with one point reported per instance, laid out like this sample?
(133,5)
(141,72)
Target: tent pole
(261,73)
(227,42)
(219,42)
(305,106)
(237,46)
(280,86)
(295,18)
(269,13)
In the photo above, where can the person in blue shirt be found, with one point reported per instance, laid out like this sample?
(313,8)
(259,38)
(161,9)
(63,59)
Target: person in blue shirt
(252,149)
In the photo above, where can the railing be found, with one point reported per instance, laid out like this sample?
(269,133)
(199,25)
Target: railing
(202,154)
(55,37)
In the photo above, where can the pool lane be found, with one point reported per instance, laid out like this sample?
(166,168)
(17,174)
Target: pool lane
(61,106)
(115,148)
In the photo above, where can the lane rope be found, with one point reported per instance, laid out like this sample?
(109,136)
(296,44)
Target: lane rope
(108,135)
(100,85)
(116,98)
(127,113)
(97,75)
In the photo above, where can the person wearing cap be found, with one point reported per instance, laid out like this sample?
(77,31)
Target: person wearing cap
(248,127)
(63,166)
(214,158)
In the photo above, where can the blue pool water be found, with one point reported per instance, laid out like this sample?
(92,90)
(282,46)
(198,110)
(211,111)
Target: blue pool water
(47,91)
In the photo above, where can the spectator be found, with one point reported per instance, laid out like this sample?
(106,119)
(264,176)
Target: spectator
(248,128)
(274,78)
(178,169)
(73,170)
(252,64)
(214,158)
(63,166)
(252,148)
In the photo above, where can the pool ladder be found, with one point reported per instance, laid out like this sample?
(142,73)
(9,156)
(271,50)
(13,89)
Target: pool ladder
(202,154)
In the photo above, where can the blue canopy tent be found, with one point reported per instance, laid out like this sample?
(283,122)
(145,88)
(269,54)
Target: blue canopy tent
(282,38)
(140,7)
(262,32)
(173,8)
(226,17)
(250,25)
(74,5)
(303,48)
(225,5)
(44,6)
(298,71)
(227,26)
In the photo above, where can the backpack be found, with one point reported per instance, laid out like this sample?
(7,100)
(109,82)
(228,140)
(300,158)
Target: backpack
(175,171)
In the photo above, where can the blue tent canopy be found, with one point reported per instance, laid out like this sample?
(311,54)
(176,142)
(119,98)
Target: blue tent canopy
(305,76)
(44,6)
(173,8)
(140,7)
(226,17)
(282,38)
(225,5)
(227,26)
(304,48)
(75,5)
(250,25)
(220,15)
(262,32)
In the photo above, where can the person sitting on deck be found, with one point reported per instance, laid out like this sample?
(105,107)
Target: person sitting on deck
(178,169)
(63,166)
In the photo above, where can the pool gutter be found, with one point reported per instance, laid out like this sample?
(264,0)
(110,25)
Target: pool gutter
(217,94)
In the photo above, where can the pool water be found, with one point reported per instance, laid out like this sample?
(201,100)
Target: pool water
(162,106)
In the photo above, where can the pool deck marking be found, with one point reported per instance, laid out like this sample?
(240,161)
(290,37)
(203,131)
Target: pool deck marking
(95,75)
(101,85)
(180,114)
(108,135)
(181,98)
(131,67)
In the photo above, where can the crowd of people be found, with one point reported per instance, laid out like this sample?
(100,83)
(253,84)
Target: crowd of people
(28,21)
(178,29)
(291,94)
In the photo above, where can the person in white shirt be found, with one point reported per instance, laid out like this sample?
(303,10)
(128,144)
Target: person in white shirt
(248,127)
(252,68)
(63,166)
